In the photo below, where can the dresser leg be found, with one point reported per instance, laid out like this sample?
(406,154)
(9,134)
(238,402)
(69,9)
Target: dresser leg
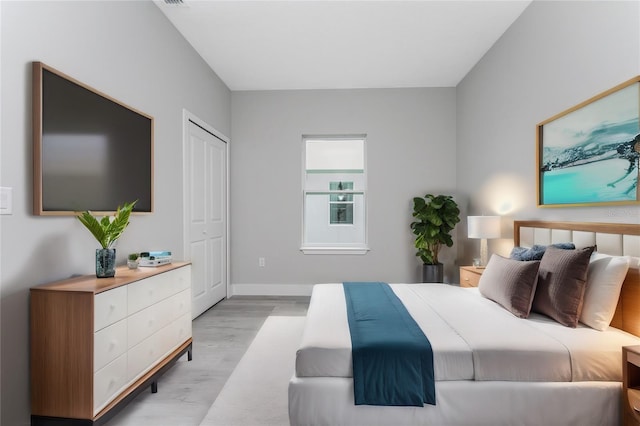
(154,387)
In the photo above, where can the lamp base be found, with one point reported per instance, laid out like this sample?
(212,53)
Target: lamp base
(483,252)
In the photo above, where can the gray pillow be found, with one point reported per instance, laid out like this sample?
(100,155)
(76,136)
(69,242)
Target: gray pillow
(562,280)
(536,251)
(510,283)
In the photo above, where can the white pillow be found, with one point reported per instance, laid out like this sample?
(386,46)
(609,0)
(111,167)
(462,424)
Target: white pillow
(604,281)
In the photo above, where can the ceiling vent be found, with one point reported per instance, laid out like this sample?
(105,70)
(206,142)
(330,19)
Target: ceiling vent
(174,2)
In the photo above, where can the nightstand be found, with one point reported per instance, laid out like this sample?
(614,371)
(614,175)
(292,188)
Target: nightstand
(631,385)
(470,276)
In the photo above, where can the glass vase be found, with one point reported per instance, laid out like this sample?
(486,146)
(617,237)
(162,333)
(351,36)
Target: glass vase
(105,263)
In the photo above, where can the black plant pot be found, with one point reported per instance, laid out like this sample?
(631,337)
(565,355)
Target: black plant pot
(105,263)
(432,273)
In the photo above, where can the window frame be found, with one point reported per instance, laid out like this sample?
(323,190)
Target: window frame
(359,248)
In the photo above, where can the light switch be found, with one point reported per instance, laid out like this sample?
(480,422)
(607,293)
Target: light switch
(6,200)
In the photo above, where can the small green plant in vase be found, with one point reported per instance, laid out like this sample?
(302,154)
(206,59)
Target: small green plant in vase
(132,260)
(107,231)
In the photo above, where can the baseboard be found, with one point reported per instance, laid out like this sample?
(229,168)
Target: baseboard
(271,289)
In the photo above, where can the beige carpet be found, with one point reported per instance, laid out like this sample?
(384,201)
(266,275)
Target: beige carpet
(256,392)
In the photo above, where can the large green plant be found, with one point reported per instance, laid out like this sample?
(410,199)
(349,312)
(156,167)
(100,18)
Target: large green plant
(109,228)
(436,216)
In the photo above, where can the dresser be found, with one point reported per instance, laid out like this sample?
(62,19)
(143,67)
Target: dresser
(96,343)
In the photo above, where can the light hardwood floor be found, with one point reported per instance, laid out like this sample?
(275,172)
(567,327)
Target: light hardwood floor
(221,336)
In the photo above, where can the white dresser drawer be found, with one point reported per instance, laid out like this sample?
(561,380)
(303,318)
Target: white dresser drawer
(175,306)
(154,289)
(182,277)
(109,343)
(143,294)
(149,352)
(177,332)
(109,382)
(148,321)
(143,356)
(109,307)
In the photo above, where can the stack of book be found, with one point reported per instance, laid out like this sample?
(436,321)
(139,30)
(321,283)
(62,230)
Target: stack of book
(154,258)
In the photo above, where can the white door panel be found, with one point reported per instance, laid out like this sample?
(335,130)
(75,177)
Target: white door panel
(198,267)
(206,190)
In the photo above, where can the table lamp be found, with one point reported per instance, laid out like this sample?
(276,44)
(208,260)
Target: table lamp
(483,227)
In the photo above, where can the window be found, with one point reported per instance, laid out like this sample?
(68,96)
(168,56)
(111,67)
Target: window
(340,204)
(334,195)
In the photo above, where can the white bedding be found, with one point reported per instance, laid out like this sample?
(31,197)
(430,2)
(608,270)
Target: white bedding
(328,401)
(472,337)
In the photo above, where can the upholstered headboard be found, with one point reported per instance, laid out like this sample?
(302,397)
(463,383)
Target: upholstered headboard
(615,239)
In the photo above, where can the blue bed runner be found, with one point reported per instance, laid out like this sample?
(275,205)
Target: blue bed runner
(392,358)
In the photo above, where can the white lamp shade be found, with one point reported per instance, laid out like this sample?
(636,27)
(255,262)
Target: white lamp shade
(483,226)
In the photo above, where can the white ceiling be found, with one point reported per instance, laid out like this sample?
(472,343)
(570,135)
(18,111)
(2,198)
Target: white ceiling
(301,44)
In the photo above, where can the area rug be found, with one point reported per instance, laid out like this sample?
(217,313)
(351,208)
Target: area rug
(256,392)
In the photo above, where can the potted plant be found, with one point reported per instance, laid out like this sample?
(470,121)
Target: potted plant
(436,216)
(107,231)
(132,260)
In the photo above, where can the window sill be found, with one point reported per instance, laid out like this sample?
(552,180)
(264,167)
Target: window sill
(335,250)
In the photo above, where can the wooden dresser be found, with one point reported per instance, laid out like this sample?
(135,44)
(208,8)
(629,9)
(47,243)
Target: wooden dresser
(97,343)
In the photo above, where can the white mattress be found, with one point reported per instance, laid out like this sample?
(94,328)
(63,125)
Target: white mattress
(472,337)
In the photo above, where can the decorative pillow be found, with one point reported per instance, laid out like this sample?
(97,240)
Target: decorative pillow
(604,281)
(562,279)
(510,283)
(536,251)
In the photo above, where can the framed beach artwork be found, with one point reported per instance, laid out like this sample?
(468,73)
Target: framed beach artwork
(588,155)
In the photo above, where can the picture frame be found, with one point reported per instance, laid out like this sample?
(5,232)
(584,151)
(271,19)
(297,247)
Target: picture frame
(589,155)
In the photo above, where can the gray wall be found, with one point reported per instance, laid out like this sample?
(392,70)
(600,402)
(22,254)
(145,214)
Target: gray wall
(130,51)
(555,56)
(473,141)
(410,151)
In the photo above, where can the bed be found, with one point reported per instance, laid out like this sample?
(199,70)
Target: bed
(491,367)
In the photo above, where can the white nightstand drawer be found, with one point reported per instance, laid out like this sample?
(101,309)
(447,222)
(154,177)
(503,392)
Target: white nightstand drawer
(109,343)
(109,307)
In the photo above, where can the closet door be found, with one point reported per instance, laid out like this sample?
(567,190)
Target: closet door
(205,212)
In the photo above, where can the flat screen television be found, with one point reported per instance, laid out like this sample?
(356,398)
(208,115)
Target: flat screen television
(90,151)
